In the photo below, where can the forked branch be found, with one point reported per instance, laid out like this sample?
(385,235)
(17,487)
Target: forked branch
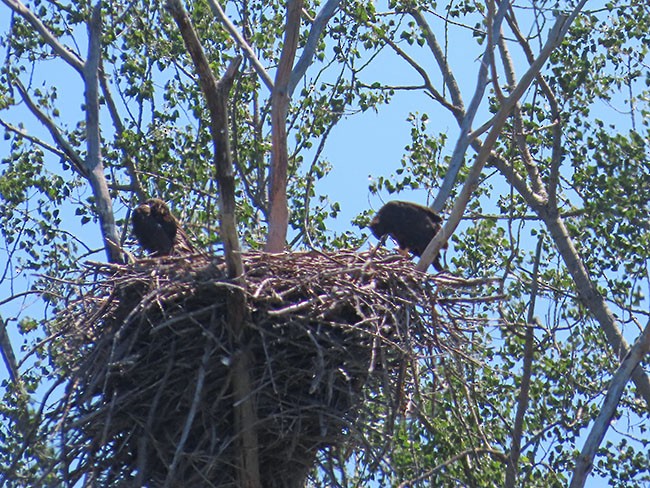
(555,36)
(278,209)
(216,96)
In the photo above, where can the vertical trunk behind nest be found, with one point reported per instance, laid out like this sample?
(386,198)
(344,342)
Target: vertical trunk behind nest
(216,94)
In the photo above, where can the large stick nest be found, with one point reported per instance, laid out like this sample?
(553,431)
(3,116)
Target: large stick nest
(150,349)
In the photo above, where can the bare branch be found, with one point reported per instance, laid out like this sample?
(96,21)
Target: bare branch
(219,13)
(8,354)
(498,455)
(22,133)
(435,94)
(447,74)
(307,56)
(64,52)
(136,185)
(554,38)
(556,154)
(508,171)
(278,209)
(458,156)
(520,139)
(491,41)
(585,460)
(216,93)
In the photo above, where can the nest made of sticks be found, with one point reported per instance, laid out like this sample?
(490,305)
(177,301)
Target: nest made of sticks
(151,355)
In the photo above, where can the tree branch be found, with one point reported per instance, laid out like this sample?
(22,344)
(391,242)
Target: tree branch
(520,139)
(74,158)
(555,36)
(524,391)
(447,75)
(35,140)
(590,296)
(64,52)
(498,455)
(8,353)
(136,184)
(458,156)
(278,209)
(307,56)
(93,163)
(557,150)
(428,86)
(219,13)
(216,95)
(630,364)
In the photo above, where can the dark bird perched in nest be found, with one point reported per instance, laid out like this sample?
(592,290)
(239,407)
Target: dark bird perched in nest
(158,231)
(411,225)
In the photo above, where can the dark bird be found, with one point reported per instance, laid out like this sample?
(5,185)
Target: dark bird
(157,230)
(411,225)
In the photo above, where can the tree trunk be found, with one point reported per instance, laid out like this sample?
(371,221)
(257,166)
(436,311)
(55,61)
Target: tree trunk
(278,209)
